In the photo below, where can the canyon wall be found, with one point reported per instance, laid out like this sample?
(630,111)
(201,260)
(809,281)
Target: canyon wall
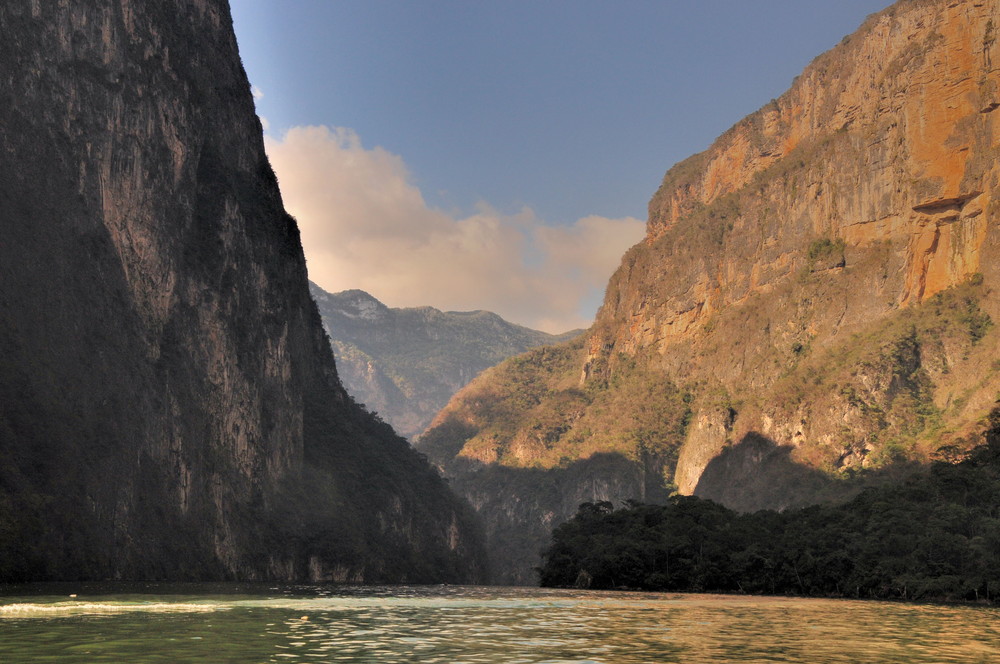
(870,186)
(812,308)
(169,405)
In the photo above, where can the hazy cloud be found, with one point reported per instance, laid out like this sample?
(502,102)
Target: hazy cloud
(366,225)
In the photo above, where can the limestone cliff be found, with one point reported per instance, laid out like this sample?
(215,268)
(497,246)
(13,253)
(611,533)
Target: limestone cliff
(405,364)
(870,186)
(169,405)
(817,288)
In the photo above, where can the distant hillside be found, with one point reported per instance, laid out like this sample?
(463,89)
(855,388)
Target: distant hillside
(405,364)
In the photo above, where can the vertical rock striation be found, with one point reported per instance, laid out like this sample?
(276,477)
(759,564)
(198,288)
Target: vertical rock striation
(169,406)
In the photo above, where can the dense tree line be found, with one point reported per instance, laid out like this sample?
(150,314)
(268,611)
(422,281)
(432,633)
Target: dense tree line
(935,536)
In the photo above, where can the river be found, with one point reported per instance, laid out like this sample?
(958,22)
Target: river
(451,625)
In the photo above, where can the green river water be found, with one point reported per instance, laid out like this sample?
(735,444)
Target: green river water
(212,623)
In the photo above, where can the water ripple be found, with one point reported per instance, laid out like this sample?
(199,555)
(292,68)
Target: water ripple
(489,626)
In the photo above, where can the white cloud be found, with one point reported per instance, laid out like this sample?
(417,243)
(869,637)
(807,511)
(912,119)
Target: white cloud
(256,92)
(366,225)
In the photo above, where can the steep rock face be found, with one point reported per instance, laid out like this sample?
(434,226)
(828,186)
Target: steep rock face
(871,185)
(169,406)
(405,364)
(817,288)
(888,138)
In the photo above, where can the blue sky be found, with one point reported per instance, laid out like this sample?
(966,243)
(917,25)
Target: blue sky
(538,129)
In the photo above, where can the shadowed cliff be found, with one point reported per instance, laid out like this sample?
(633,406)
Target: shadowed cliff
(169,405)
(758,474)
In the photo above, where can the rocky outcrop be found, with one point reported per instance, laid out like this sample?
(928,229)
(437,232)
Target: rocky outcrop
(817,287)
(169,405)
(405,364)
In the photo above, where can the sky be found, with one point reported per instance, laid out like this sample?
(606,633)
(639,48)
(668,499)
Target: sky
(499,155)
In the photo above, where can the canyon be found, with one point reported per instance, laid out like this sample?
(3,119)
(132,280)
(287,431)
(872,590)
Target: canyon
(811,310)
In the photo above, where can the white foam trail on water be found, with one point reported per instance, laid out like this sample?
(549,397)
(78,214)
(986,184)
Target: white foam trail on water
(325,604)
(90,608)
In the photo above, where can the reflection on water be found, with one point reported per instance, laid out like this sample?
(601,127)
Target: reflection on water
(479,625)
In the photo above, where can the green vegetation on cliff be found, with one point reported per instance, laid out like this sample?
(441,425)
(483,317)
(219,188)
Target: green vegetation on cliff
(526,442)
(534,411)
(934,536)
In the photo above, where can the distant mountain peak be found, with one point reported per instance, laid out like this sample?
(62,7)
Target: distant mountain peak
(405,363)
(354,303)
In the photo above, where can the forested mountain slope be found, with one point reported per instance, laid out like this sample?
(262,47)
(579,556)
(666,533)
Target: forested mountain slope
(811,310)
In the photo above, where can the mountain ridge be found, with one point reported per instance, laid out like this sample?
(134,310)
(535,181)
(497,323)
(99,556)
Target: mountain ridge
(405,363)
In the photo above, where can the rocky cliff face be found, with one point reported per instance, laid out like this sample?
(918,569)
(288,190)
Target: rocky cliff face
(405,364)
(817,287)
(888,138)
(869,187)
(169,406)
